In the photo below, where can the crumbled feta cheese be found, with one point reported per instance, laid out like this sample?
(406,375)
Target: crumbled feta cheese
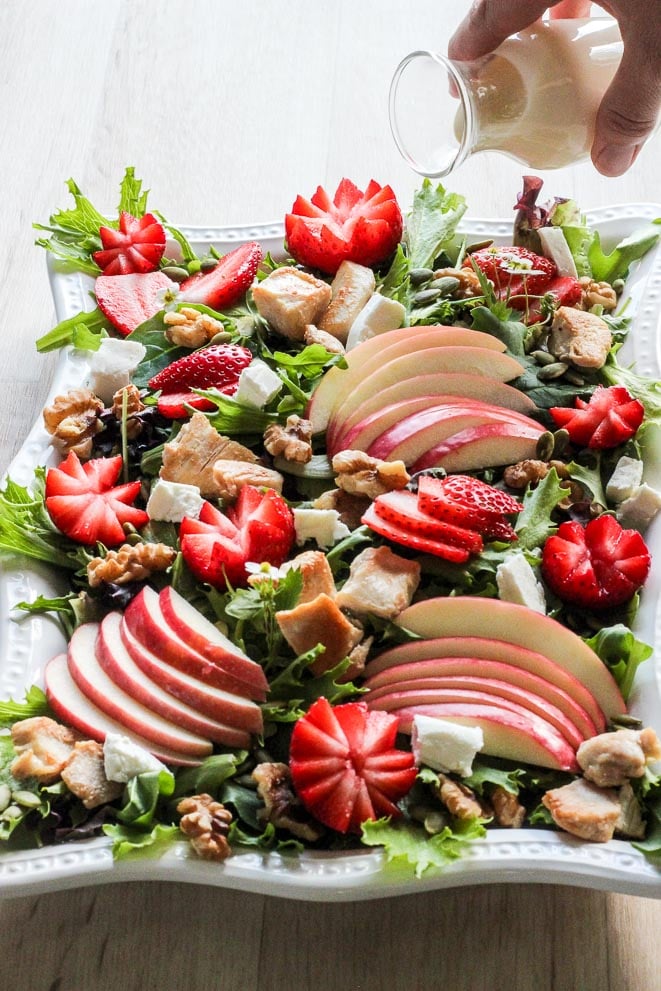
(639,509)
(626,478)
(171,501)
(378,315)
(258,384)
(123,759)
(445,746)
(555,247)
(111,366)
(518,583)
(321,525)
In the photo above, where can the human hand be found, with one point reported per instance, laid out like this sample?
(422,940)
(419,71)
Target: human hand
(628,112)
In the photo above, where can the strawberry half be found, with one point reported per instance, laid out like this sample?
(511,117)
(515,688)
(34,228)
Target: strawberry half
(129,300)
(217,546)
(228,282)
(598,566)
(468,502)
(354,226)
(84,502)
(216,367)
(345,767)
(137,246)
(610,418)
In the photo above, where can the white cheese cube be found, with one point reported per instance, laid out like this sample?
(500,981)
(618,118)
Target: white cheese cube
(111,366)
(555,247)
(258,384)
(445,746)
(518,583)
(324,526)
(639,509)
(123,759)
(171,501)
(378,315)
(626,478)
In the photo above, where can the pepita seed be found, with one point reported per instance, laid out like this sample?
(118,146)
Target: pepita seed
(560,441)
(222,337)
(627,721)
(574,378)
(479,245)
(434,823)
(175,272)
(208,264)
(554,371)
(447,285)
(542,357)
(418,276)
(11,812)
(545,446)
(27,799)
(5,797)
(618,286)
(426,296)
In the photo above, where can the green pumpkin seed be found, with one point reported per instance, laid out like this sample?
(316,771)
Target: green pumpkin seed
(550,372)
(618,286)
(574,378)
(222,337)
(545,446)
(208,264)
(560,441)
(418,276)
(542,357)
(478,246)
(435,823)
(426,296)
(5,796)
(27,799)
(447,285)
(175,272)
(11,812)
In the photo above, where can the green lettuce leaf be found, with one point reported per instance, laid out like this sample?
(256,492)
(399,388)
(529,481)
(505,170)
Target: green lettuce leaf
(534,523)
(142,796)
(621,652)
(411,845)
(34,704)
(130,841)
(85,331)
(431,224)
(616,264)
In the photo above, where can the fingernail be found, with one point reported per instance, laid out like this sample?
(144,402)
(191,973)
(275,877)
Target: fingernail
(613,160)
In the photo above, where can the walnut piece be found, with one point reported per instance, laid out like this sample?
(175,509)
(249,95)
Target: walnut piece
(73,421)
(469,283)
(507,809)
(359,474)
(206,824)
(229,477)
(611,759)
(84,775)
(458,799)
(291,442)
(129,563)
(129,396)
(188,328)
(282,807)
(43,747)
(597,294)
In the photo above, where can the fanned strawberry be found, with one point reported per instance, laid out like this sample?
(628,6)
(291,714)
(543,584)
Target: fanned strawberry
(228,282)
(215,367)
(84,502)
(129,300)
(611,417)
(475,494)
(137,246)
(217,546)
(402,509)
(468,502)
(599,566)
(413,540)
(345,767)
(363,227)
(515,272)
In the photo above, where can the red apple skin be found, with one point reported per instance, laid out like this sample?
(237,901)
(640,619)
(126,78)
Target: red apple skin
(508,734)
(107,696)
(146,622)
(118,664)
(470,668)
(483,446)
(206,698)
(200,634)
(524,663)
(71,706)
(450,688)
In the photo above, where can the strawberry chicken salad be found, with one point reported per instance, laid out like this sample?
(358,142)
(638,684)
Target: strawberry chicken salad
(351,539)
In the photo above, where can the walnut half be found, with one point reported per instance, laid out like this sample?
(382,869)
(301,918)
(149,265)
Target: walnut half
(206,824)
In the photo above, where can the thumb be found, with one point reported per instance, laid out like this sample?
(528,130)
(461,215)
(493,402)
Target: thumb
(628,111)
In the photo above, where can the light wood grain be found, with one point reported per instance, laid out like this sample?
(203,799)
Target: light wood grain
(227,111)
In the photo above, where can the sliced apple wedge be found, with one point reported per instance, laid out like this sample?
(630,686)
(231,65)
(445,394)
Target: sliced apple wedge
(457,616)
(483,446)
(118,664)
(522,738)
(470,667)
(74,708)
(116,703)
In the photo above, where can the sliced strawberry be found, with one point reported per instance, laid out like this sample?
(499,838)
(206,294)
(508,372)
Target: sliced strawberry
(401,508)
(609,419)
(363,227)
(228,282)
(137,246)
(84,503)
(475,494)
(468,502)
(345,767)
(517,273)
(216,367)
(408,538)
(217,546)
(129,300)
(567,291)
(598,566)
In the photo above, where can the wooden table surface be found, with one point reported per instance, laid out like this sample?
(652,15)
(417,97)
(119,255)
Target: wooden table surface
(227,111)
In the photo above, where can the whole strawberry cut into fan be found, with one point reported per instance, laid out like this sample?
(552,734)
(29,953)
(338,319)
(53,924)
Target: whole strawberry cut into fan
(598,566)
(227,283)
(217,546)
(129,300)
(345,767)
(354,226)
(611,417)
(519,276)
(137,246)
(216,367)
(84,502)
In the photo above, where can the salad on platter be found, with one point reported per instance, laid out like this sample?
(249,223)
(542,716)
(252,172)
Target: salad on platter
(351,538)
